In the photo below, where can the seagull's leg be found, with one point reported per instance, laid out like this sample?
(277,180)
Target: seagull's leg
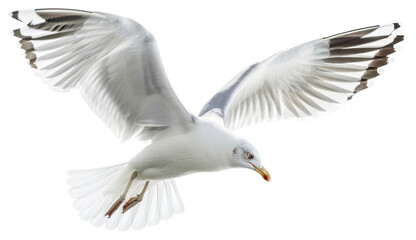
(120,200)
(135,200)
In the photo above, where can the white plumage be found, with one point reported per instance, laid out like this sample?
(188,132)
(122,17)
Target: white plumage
(95,190)
(307,80)
(115,64)
(112,60)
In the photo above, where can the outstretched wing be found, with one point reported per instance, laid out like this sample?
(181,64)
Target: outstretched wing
(306,80)
(112,60)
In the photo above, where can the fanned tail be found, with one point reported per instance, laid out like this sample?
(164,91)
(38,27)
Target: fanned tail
(95,191)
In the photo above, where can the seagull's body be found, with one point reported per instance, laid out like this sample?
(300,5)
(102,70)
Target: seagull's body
(115,63)
(205,147)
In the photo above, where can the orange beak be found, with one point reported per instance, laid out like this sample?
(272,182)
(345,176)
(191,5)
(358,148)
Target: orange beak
(263,172)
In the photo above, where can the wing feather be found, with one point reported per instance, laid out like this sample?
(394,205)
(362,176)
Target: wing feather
(306,80)
(112,60)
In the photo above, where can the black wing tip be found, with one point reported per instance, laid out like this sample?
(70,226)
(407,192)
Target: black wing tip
(18,34)
(62,9)
(400,37)
(15,15)
(360,32)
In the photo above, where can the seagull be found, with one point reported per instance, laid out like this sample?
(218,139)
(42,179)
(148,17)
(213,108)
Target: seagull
(114,62)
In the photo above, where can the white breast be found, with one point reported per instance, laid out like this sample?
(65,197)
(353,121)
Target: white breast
(207,147)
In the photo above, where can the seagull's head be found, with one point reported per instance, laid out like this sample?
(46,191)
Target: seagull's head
(245,155)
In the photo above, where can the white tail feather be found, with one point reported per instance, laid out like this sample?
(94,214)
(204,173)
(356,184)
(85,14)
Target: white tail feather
(96,190)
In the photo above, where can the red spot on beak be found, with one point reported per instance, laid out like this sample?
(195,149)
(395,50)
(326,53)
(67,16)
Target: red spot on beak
(263,172)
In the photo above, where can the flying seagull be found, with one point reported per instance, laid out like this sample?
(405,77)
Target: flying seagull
(115,63)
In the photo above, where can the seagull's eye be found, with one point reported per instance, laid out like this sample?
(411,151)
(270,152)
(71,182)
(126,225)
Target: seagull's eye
(249,155)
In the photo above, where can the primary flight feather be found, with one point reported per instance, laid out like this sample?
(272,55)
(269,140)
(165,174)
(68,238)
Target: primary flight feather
(115,63)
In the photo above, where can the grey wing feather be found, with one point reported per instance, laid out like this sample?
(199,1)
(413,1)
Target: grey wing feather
(112,60)
(221,99)
(307,80)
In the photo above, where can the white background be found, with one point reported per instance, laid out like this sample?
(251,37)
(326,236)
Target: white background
(348,175)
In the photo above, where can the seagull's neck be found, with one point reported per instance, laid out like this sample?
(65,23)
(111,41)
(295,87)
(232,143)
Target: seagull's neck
(217,141)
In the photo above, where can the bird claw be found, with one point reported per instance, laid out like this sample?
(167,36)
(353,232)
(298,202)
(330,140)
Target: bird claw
(114,207)
(131,203)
